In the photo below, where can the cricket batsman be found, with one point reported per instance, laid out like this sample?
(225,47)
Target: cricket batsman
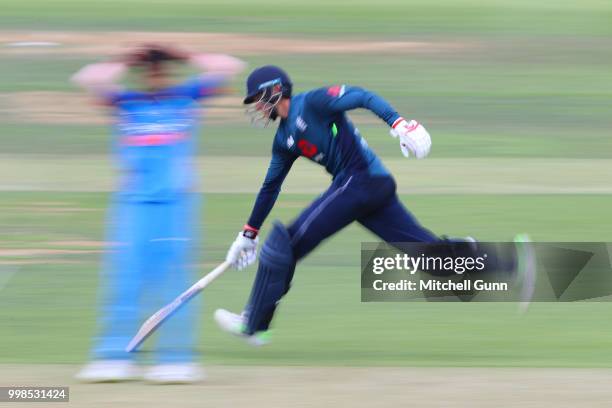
(153,214)
(314,125)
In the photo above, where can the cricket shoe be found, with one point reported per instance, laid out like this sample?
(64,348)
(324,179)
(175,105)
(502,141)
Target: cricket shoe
(100,371)
(178,373)
(526,269)
(236,324)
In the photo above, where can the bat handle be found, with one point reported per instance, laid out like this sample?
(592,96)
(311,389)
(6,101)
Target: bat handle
(212,275)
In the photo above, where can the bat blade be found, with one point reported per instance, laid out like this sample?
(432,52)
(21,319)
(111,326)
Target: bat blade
(155,321)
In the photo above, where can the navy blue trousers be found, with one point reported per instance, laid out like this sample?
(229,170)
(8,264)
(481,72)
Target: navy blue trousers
(370,200)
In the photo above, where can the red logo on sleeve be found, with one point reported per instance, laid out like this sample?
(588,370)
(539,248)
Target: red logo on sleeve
(308,149)
(334,91)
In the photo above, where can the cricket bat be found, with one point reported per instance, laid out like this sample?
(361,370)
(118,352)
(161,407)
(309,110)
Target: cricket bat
(167,311)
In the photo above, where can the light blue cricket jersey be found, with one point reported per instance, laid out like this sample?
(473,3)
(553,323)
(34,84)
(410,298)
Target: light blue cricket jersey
(155,139)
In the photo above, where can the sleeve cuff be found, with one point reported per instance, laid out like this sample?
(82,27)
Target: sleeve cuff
(247,227)
(397,121)
(250,232)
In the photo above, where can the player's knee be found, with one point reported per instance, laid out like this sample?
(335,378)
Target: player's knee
(277,254)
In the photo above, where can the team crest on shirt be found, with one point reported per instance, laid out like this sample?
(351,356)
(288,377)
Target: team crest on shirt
(300,124)
(290,142)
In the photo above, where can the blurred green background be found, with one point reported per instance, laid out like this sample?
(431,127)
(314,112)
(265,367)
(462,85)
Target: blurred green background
(515,94)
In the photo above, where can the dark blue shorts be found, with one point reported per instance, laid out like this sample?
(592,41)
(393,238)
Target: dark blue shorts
(370,200)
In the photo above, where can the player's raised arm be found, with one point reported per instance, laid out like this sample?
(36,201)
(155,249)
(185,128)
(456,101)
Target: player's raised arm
(243,251)
(217,64)
(101,78)
(414,139)
(216,70)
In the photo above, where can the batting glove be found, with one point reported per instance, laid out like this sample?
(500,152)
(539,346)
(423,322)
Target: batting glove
(243,251)
(413,137)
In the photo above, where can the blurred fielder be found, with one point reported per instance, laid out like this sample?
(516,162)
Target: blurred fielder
(314,125)
(153,213)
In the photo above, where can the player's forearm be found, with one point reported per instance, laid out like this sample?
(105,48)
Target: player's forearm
(263,205)
(217,63)
(379,106)
(280,164)
(101,76)
(344,98)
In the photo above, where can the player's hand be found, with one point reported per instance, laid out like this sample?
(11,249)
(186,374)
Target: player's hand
(413,137)
(243,251)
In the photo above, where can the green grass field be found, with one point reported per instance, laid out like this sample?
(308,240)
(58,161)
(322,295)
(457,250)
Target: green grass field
(319,17)
(322,321)
(520,121)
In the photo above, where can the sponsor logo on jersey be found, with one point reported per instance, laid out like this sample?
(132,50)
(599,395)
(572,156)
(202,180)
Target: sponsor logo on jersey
(272,82)
(301,124)
(290,142)
(156,139)
(172,126)
(308,149)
